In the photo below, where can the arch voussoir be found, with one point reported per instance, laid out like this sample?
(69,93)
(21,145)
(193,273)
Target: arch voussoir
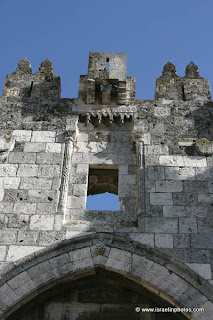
(77,258)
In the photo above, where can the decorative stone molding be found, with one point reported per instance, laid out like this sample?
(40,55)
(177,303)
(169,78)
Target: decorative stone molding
(70,137)
(7,143)
(99,249)
(111,114)
(204,146)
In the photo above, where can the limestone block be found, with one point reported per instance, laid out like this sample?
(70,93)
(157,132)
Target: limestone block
(78,178)
(11,195)
(53,147)
(18,221)
(183,161)
(82,168)
(197,211)
(56,182)
(152,160)
(58,158)
(50,171)
(123,169)
(47,238)
(81,258)
(24,208)
(62,263)
(8,294)
(44,158)
(82,137)
(36,183)
(181,241)
(195,186)
(22,284)
(80,190)
(20,279)
(8,236)
(164,199)
(180,173)
(43,136)
(74,202)
(38,269)
(1,195)
(203,269)
(171,161)
(41,222)
(210,187)
(3,250)
(27,170)
(157,149)
(22,157)
(42,196)
(140,265)
(46,208)
(181,198)
(164,241)
(11,182)
(162,112)
(22,135)
(161,225)
(59,222)
(34,147)
(156,173)
(6,207)
(8,170)
(202,241)
(173,211)
(169,186)
(205,174)
(3,220)
(195,161)
(29,238)
(205,198)
(144,238)
(120,260)
(150,186)
(187,225)
(127,179)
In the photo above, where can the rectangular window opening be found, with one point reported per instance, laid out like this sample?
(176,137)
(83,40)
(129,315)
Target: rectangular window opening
(107,64)
(102,192)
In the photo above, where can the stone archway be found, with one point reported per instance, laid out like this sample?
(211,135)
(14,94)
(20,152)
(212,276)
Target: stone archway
(166,281)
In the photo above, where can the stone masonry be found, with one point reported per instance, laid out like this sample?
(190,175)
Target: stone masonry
(156,155)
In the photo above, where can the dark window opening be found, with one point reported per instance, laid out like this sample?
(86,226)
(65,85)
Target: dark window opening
(102,192)
(107,64)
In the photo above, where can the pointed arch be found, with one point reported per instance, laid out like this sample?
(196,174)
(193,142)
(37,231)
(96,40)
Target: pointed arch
(77,258)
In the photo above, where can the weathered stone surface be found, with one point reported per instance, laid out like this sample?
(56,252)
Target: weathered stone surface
(154,155)
(39,222)
(18,252)
(164,198)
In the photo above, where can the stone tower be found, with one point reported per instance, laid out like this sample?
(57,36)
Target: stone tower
(61,261)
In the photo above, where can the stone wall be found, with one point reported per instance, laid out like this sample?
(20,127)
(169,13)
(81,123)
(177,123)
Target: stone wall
(161,148)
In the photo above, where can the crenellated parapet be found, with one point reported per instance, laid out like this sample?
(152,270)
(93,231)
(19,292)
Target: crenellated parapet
(170,86)
(42,85)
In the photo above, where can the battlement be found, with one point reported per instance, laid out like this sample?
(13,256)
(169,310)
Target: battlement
(43,84)
(170,86)
(106,82)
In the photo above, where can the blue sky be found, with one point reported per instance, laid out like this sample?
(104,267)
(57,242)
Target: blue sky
(151,32)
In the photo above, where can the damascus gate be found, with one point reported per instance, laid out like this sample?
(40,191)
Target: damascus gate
(62,261)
